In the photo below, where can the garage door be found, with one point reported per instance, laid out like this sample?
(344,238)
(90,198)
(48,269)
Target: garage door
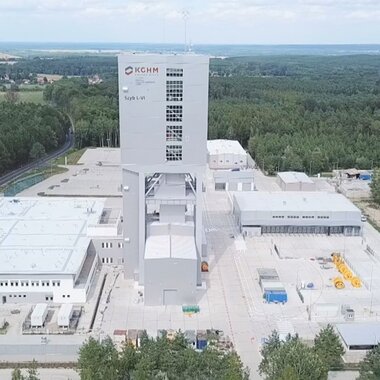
(170,296)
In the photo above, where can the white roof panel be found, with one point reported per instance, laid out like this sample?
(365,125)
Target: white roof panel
(294,177)
(225,147)
(46,235)
(359,334)
(292,201)
(170,246)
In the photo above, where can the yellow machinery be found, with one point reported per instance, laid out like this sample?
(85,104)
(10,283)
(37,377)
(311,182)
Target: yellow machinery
(338,260)
(347,275)
(355,282)
(338,282)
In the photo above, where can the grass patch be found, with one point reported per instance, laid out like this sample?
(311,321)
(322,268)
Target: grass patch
(4,329)
(73,156)
(27,97)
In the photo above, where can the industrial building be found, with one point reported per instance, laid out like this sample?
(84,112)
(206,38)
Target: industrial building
(226,154)
(295,181)
(234,180)
(163,134)
(359,336)
(295,212)
(50,248)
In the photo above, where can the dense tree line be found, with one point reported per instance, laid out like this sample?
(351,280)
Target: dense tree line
(292,113)
(67,66)
(28,131)
(291,359)
(94,109)
(159,358)
(311,119)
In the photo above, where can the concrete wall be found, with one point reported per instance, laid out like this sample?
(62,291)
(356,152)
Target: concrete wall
(178,275)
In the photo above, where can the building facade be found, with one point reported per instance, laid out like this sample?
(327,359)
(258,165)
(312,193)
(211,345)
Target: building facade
(163,133)
(296,213)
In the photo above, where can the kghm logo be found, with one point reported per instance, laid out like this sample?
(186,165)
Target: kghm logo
(129,70)
(141,70)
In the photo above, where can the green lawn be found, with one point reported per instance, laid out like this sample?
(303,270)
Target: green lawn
(72,157)
(27,96)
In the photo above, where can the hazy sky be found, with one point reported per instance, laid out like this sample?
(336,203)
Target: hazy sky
(209,21)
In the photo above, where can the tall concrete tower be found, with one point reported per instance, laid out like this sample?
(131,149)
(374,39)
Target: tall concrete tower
(163,128)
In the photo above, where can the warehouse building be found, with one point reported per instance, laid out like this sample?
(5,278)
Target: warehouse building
(295,212)
(295,181)
(50,248)
(226,154)
(163,133)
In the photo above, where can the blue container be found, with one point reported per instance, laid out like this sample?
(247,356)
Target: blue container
(273,296)
(201,344)
(365,176)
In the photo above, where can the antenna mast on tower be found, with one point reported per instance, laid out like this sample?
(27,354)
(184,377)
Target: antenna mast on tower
(185,15)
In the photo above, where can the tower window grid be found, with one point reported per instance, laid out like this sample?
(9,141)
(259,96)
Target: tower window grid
(174,91)
(174,133)
(174,114)
(174,152)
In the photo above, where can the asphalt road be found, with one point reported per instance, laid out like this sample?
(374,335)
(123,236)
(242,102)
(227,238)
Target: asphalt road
(36,164)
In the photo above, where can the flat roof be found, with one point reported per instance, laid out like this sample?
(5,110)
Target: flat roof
(45,235)
(302,201)
(359,334)
(170,246)
(225,147)
(294,177)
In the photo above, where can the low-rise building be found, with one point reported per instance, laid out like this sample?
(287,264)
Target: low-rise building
(296,212)
(295,181)
(50,247)
(226,154)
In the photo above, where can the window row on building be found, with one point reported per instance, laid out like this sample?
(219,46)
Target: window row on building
(311,230)
(109,244)
(16,283)
(298,217)
(173,72)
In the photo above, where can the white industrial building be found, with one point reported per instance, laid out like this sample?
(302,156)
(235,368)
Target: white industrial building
(234,180)
(163,133)
(295,181)
(295,212)
(50,247)
(226,154)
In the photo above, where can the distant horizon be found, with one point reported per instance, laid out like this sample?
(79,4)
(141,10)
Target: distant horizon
(192,44)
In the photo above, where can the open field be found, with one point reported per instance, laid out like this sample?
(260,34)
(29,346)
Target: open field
(27,96)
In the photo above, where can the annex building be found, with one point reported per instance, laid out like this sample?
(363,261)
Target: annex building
(50,247)
(296,212)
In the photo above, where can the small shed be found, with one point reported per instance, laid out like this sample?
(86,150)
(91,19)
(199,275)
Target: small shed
(64,315)
(39,314)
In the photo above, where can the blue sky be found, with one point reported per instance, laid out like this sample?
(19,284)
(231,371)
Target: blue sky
(209,21)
